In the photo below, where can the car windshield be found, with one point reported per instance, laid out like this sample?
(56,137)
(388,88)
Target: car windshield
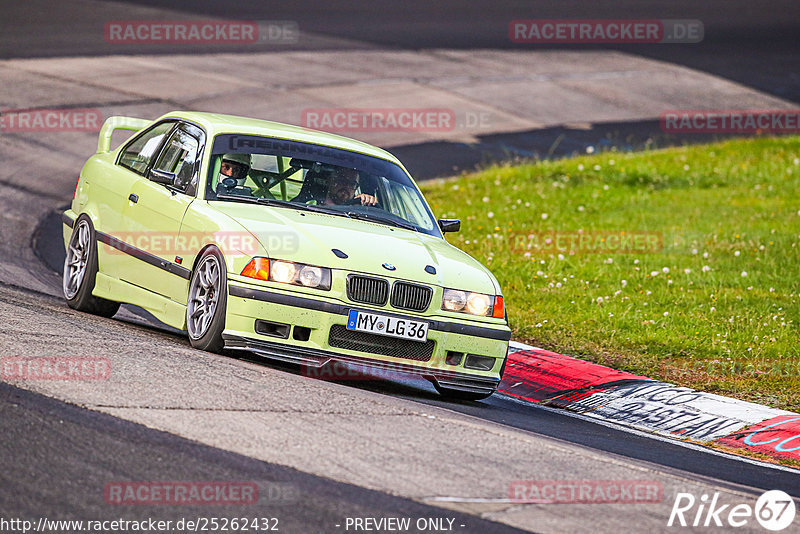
(313,177)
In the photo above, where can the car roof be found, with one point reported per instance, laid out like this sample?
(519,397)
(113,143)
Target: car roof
(218,123)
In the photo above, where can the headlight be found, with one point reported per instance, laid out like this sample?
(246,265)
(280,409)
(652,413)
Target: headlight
(288,272)
(310,276)
(473,303)
(478,304)
(282,271)
(454,300)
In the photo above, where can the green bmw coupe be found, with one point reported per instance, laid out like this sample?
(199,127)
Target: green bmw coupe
(291,243)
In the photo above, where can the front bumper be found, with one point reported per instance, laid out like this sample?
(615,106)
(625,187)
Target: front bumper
(318,319)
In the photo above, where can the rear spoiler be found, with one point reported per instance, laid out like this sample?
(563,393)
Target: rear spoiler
(117,123)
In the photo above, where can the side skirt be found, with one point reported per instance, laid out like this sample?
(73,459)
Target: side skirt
(165,310)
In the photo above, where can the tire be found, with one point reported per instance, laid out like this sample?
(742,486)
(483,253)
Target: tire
(458,395)
(80,272)
(206,302)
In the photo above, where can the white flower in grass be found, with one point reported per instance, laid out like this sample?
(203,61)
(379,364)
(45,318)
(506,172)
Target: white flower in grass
(665,270)
(654,273)
(705,268)
(736,253)
(744,273)
(666,313)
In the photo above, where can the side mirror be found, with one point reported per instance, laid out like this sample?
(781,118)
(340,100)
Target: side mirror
(162,177)
(450,225)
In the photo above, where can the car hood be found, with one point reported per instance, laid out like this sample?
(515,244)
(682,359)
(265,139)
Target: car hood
(309,237)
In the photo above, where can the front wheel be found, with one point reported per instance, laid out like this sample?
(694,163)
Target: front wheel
(80,272)
(205,309)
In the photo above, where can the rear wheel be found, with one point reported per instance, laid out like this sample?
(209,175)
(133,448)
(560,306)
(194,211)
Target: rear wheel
(205,309)
(80,272)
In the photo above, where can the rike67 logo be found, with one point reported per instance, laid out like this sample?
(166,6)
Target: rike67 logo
(774,510)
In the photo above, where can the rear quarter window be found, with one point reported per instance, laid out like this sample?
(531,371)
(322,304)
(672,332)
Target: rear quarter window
(138,154)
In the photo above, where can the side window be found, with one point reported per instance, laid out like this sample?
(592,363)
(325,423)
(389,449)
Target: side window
(138,154)
(179,157)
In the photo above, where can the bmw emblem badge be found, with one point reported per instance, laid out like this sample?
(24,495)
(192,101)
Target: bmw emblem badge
(389,267)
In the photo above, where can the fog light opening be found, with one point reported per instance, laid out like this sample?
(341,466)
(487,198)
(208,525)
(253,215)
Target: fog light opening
(301,333)
(479,363)
(268,328)
(453,357)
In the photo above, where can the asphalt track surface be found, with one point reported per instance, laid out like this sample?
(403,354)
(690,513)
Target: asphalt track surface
(753,43)
(56,457)
(44,469)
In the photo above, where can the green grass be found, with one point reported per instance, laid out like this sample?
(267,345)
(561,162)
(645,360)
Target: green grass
(715,306)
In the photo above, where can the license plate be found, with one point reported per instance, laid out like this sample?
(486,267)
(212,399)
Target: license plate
(387,326)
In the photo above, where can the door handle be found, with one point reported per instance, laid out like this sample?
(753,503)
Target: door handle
(133,198)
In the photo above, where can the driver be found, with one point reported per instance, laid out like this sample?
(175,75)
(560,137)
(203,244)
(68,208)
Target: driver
(342,189)
(239,167)
(235,166)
